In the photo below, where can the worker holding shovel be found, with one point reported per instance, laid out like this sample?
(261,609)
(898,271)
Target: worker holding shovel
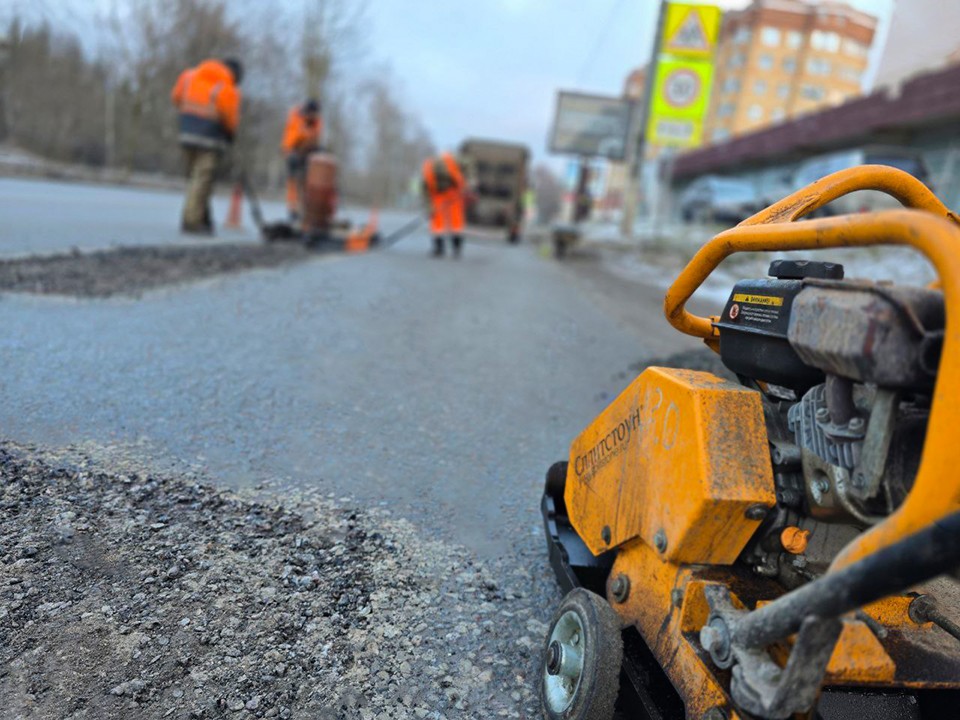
(208,101)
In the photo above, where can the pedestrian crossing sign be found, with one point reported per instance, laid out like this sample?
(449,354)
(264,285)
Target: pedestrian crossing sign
(691,30)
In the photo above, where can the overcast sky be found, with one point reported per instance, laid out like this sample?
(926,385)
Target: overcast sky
(492,68)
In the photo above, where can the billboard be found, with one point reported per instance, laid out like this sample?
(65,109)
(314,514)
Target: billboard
(684,75)
(591,125)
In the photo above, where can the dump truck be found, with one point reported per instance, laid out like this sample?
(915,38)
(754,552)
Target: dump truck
(497,174)
(786,545)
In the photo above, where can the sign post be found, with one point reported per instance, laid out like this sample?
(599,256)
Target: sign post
(677,94)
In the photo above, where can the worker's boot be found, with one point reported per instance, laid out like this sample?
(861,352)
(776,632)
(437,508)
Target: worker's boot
(438,246)
(457,241)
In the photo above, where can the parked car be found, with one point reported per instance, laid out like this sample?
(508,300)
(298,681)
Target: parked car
(713,198)
(863,200)
(773,183)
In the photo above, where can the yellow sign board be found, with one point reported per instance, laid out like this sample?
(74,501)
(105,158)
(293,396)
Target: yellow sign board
(684,75)
(691,30)
(681,95)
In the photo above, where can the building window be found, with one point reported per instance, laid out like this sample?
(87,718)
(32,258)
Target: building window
(794,39)
(741,36)
(852,47)
(850,74)
(778,114)
(725,110)
(811,92)
(789,64)
(720,134)
(765,61)
(760,87)
(731,85)
(783,91)
(828,41)
(818,66)
(736,60)
(770,36)
(755,112)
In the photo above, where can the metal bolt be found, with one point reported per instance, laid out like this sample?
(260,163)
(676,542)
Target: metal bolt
(756,511)
(554,658)
(823,414)
(859,480)
(709,638)
(620,588)
(605,534)
(856,424)
(660,541)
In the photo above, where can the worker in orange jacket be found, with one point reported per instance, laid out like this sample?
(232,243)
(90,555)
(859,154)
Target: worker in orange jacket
(444,189)
(208,99)
(300,137)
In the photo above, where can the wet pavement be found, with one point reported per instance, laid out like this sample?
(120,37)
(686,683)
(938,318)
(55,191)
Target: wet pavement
(440,389)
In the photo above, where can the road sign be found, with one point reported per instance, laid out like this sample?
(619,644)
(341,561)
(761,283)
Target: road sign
(691,30)
(591,125)
(681,88)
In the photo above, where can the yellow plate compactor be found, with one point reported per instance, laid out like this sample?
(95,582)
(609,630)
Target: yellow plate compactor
(786,546)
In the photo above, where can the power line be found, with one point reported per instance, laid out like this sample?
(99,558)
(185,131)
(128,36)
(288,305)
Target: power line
(605,28)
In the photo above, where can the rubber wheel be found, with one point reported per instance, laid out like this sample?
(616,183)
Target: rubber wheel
(580,668)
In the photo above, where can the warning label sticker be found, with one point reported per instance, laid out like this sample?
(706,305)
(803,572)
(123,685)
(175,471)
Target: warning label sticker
(772,300)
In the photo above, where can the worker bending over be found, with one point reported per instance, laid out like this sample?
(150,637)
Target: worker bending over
(300,137)
(208,100)
(444,189)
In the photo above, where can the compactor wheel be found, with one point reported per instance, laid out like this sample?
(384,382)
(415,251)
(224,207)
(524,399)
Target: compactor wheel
(580,672)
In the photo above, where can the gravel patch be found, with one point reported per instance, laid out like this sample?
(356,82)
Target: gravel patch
(134,270)
(129,594)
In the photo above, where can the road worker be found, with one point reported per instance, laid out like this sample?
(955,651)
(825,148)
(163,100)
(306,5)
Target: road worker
(208,100)
(300,137)
(444,189)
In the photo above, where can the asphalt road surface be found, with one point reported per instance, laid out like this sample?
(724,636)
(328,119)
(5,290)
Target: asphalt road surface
(441,389)
(421,398)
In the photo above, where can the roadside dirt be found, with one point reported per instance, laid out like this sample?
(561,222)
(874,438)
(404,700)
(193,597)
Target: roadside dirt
(134,270)
(125,594)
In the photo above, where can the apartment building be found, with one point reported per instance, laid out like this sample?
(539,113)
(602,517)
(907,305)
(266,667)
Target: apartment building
(778,59)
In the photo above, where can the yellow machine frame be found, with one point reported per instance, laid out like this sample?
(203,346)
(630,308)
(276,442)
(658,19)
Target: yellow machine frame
(680,521)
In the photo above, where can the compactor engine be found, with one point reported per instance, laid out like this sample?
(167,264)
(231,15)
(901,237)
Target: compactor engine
(785,545)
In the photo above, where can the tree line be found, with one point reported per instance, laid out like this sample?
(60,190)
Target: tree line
(101,96)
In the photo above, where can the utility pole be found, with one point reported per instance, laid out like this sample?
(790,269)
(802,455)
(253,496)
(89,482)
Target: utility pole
(636,138)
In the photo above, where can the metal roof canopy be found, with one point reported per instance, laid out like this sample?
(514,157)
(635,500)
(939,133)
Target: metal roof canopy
(925,101)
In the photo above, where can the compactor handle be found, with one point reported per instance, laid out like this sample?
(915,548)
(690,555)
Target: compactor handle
(760,234)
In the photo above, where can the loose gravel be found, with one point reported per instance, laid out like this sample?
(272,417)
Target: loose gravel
(134,270)
(129,594)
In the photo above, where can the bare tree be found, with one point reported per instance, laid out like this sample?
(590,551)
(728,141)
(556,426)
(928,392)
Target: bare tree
(108,101)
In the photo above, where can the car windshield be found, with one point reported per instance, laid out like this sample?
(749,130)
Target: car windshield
(732,191)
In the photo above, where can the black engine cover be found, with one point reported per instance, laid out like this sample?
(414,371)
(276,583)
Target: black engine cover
(753,334)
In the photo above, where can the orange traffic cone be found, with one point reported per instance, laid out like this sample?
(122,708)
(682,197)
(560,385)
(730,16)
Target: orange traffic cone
(359,241)
(234,215)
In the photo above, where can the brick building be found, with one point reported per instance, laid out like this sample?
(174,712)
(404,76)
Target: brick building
(779,59)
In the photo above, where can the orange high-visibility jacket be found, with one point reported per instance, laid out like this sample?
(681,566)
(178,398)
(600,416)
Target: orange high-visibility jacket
(447,176)
(301,134)
(443,183)
(209,105)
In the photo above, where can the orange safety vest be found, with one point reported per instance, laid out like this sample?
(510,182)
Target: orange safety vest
(300,133)
(442,174)
(209,104)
